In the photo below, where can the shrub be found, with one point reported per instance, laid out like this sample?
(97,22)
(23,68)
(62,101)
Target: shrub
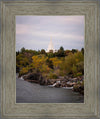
(73,63)
(52,76)
(23,71)
(79,87)
(79,74)
(61,73)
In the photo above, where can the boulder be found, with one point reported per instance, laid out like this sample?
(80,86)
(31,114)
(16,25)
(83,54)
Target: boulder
(32,76)
(58,85)
(78,88)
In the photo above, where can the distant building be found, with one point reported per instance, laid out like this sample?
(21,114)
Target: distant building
(50,47)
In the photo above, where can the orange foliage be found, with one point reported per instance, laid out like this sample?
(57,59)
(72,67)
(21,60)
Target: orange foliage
(56,61)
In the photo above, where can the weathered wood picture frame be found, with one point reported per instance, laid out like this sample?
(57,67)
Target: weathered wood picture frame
(91,107)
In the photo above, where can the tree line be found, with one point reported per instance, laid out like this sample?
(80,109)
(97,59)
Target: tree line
(50,65)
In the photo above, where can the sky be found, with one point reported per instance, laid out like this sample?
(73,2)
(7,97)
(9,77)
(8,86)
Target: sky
(35,32)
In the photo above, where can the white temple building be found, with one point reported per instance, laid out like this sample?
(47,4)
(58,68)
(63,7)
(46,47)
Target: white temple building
(50,47)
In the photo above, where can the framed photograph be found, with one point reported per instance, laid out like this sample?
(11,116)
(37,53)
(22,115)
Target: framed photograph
(50,70)
(50,59)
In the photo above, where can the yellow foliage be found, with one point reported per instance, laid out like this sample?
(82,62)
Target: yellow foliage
(24,70)
(44,68)
(56,61)
(38,60)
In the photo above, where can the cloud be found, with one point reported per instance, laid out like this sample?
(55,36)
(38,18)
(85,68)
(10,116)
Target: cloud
(24,29)
(34,32)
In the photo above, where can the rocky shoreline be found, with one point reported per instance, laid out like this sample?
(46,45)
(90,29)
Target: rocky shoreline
(68,82)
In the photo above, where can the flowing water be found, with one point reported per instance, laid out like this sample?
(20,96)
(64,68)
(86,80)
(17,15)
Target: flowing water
(27,92)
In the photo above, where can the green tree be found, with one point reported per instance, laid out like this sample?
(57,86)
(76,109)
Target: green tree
(73,63)
(74,51)
(43,51)
(17,53)
(22,50)
(82,50)
(61,52)
(80,67)
(67,52)
(50,55)
(49,63)
(74,70)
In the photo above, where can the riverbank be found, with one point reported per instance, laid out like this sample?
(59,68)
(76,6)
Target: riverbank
(68,82)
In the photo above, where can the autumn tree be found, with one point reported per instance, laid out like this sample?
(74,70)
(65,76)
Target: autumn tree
(56,62)
(39,63)
(73,63)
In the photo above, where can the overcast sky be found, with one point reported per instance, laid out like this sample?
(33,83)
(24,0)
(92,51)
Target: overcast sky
(35,32)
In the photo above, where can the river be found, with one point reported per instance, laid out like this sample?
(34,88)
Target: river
(27,92)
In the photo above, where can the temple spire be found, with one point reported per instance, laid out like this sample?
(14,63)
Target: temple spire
(50,46)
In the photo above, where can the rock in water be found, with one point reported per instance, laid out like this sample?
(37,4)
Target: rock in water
(32,76)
